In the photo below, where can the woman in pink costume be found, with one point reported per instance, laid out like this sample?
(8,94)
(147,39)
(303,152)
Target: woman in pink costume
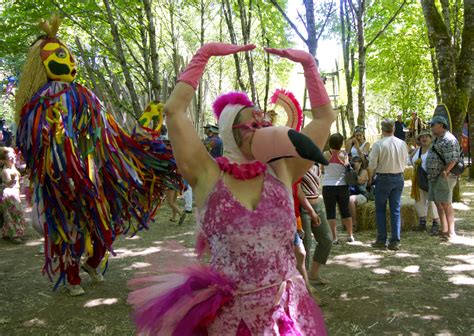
(244,214)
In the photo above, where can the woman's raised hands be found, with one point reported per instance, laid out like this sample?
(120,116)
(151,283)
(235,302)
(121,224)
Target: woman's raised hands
(193,72)
(294,55)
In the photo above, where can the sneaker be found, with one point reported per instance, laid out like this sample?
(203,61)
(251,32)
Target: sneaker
(188,211)
(335,242)
(95,276)
(350,239)
(379,244)
(394,246)
(75,290)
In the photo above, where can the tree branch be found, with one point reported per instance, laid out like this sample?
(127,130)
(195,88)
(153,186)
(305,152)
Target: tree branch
(386,25)
(277,6)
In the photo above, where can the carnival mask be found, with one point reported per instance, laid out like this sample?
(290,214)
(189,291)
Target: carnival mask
(153,116)
(58,61)
(259,121)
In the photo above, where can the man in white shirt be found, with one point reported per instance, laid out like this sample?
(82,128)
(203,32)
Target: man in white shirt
(387,161)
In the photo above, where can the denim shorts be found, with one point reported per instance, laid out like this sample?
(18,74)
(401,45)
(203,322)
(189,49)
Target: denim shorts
(297,241)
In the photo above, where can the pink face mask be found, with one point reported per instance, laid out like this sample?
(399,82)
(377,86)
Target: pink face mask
(252,125)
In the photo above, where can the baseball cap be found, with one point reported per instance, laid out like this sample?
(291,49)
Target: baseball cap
(438,120)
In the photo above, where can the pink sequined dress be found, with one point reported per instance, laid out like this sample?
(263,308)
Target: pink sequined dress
(253,251)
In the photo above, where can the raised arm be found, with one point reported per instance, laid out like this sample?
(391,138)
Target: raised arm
(321,109)
(192,159)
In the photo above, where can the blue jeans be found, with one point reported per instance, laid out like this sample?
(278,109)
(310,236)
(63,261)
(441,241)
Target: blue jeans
(388,187)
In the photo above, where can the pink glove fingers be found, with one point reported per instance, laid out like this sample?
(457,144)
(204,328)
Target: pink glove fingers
(193,72)
(316,90)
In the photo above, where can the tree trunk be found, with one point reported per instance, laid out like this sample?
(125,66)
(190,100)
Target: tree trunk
(90,72)
(360,16)
(155,83)
(199,101)
(233,38)
(174,42)
(145,56)
(123,62)
(348,70)
(312,41)
(455,77)
(246,23)
(266,59)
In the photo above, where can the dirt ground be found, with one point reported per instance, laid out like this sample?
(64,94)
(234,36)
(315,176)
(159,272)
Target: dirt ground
(426,288)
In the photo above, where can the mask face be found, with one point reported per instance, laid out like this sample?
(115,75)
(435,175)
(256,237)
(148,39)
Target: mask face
(153,116)
(58,61)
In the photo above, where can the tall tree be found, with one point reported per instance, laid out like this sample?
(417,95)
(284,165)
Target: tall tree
(454,64)
(154,59)
(123,62)
(359,10)
(348,58)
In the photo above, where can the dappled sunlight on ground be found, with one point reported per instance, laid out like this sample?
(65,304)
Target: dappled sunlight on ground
(136,265)
(357,260)
(35,242)
(36,322)
(133,238)
(381,271)
(405,255)
(98,302)
(181,235)
(462,280)
(467,266)
(451,296)
(124,253)
(461,206)
(462,240)
(411,269)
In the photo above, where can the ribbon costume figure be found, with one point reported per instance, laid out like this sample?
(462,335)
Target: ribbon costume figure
(91,180)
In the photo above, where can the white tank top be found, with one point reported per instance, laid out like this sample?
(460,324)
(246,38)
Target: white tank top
(334,172)
(354,149)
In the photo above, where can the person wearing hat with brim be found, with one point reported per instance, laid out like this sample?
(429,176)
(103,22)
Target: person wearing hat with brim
(213,142)
(422,205)
(441,182)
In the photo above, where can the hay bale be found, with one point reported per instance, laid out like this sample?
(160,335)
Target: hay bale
(366,216)
(408,173)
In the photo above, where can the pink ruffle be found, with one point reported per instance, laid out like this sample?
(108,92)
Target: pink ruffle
(243,171)
(180,304)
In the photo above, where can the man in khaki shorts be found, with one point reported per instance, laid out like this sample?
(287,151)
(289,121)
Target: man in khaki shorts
(441,182)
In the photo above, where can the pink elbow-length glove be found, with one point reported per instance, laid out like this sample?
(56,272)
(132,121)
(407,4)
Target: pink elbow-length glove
(193,72)
(316,90)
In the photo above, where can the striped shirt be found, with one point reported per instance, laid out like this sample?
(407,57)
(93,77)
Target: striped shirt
(310,182)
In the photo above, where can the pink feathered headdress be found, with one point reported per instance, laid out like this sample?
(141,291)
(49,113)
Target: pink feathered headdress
(231,98)
(226,108)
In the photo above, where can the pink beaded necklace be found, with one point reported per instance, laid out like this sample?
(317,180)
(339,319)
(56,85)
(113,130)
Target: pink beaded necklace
(243,171)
